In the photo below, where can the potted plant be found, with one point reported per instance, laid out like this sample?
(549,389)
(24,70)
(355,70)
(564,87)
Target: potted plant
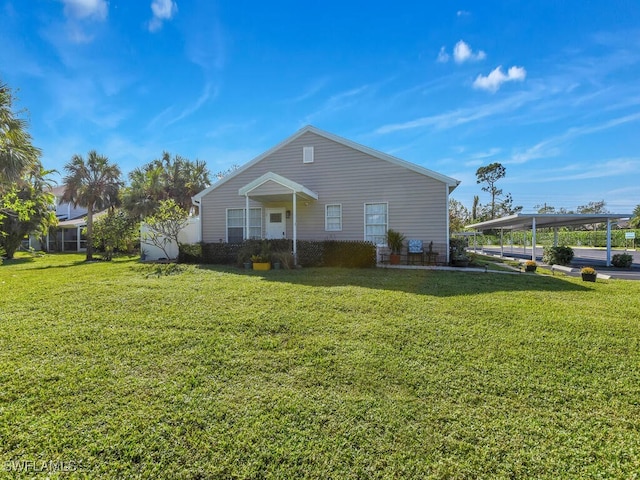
(530,266)
(395,240)
(589,274)
(260,262)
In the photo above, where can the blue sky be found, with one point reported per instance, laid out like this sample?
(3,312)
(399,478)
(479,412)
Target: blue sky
(550,89)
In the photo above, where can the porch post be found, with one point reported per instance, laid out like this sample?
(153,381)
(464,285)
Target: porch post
(501,243)
(295,230)
(246,217)
(78,239)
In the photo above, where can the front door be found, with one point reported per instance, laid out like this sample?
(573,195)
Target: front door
(276,225)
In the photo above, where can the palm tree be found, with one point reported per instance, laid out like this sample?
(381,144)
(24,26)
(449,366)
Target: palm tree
(17,154)
(635,219)
(93,184)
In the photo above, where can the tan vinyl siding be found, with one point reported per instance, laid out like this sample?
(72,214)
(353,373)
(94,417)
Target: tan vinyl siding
(339,175)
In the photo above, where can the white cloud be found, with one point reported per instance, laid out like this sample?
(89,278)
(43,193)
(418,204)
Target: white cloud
(162,10)
(463,13)
(85,9)
(443,56)
(497,77)
(462,52)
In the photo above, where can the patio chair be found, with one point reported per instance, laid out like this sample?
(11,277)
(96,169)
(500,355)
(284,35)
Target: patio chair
(415,248)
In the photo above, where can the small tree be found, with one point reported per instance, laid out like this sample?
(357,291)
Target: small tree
(165,225)
(27,208)
(490,175)
(459,216)
(115,231)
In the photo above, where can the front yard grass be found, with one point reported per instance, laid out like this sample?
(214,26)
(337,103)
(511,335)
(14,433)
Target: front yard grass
(124,370)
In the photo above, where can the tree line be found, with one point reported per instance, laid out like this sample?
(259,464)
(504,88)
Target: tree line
(27,205)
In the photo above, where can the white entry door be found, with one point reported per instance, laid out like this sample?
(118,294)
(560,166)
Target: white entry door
(276,224)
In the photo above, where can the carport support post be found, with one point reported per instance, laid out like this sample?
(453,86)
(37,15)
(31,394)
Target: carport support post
(501,243)
(608,242)
(533,239)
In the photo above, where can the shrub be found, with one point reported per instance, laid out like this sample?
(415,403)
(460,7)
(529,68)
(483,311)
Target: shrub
(622,260)
(285,259)
(588,271)
(190,253)
(557,255)
(350,254)
(220,253)
(310,253)
(457,249)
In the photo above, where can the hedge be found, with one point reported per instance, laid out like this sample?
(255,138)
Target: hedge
(331,253)
(576,238)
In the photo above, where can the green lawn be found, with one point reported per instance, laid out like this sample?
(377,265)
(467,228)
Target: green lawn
(115,370)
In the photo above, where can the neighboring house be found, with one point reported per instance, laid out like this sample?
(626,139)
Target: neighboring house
(316,185)
(67,236)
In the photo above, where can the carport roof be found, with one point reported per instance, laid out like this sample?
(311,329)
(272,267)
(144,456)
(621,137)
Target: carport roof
(524,221)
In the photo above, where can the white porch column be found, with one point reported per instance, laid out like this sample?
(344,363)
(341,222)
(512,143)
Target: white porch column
(295,229)
(533,239)
(246,217)
(608,242)
(78,245)
(501,243)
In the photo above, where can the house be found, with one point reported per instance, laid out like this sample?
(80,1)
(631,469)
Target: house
(316,185)
(67,236)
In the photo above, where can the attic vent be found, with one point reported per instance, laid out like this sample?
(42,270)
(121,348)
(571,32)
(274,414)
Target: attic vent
(307,154)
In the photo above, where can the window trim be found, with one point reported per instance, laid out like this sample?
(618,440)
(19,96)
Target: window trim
(386,225)
(308,154)
(244,220)
(326,217)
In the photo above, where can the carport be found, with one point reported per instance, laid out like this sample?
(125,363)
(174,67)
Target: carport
(533,221)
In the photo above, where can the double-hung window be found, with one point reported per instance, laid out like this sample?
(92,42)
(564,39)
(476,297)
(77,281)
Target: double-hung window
(333,218)
(236,224)
(375,223)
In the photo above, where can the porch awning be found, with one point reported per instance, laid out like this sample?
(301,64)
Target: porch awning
(272,187)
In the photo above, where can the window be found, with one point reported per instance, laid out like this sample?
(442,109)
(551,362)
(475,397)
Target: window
(375,223)
(236,224)
(307,154)
(333,218)
(275,218)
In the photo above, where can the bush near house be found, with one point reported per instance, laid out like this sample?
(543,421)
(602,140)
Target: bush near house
(189,252)
(334,253)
